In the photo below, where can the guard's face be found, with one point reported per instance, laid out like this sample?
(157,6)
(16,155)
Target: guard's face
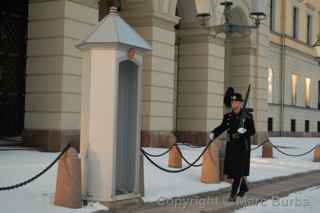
(235,105)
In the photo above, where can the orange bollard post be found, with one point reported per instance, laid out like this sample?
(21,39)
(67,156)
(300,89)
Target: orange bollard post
(267,151)
(68,188)
(316,154)
(175,160)
(210,172)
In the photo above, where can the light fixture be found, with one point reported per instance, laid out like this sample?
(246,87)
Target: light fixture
(203,10)
(257,14)
(258,11)
(316,47)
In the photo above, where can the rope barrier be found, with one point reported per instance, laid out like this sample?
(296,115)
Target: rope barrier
(191,146)
(162,154)
(284,153)
(261,144)
(294,155)
(169,149)
(193,164)
(185,160)
(6,188)
(180,170)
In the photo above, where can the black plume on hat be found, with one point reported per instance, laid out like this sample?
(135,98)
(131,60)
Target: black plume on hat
(227,97)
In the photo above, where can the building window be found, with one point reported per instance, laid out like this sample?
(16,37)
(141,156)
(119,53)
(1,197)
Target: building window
(306,125)
(309,29)
(295,22)
(270,124)
(270,79)
(307,91)
(318,126)
(293,125)
(294,83)
(272,15)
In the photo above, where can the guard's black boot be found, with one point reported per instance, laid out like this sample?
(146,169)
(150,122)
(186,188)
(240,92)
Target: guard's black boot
(242,193)
(232,198)
(243,188)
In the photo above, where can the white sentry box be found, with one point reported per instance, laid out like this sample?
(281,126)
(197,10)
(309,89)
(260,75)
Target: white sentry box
(111,110)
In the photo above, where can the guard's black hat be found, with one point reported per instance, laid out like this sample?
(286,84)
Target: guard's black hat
(236,97)
(231,95)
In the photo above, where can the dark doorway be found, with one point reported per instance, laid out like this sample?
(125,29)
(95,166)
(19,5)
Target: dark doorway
(127,127)
(13,37)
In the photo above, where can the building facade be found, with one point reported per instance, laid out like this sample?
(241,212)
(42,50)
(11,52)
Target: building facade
(185,75)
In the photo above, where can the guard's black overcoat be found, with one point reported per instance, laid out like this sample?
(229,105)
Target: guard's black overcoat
(237,154)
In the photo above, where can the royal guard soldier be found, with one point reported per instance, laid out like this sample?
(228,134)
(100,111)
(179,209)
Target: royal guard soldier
(240,127)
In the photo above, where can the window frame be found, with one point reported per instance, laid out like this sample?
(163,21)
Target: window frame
(309,28)
(293,125)
(307,97)
(270,90)
(307,126)
(270,124)
(294,97)
(295,23)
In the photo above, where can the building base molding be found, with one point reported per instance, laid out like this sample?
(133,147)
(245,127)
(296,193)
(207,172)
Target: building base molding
(51,140)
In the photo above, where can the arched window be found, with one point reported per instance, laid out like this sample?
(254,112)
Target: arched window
(307,91)
(270,84)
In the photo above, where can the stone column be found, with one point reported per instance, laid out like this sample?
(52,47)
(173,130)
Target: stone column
(52,115)
(155,21)
(249,65)
(201,83)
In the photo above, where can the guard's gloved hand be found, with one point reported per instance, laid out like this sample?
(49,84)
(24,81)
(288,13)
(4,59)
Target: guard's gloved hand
(211,136)
(242,130)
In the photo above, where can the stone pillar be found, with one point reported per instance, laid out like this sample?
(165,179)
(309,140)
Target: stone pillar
(249,65)
(201,83)
(155,21)
(52,114)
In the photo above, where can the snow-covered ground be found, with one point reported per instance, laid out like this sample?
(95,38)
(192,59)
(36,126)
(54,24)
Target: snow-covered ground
(303,201)
(37,197)
(163,185)
(16,166)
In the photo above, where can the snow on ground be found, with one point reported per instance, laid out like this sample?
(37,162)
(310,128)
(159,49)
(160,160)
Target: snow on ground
(16,166)
(37,197)
(303,201)
(159,184)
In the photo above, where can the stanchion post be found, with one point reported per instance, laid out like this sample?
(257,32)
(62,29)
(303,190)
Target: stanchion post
(68,186)
(267,150)
(316,154)
(210,165)
(175,160)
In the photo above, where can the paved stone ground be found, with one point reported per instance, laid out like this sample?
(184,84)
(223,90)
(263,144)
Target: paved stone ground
(212,202)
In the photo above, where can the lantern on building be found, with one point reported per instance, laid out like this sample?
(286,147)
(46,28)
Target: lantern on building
(202,10)
(258,10)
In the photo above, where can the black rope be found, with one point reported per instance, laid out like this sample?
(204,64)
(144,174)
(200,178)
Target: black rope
(185,160)
(180,170)
(294,155)
(261,144)
(191,145)
(38,175)
(162,154)
(169,149)
(284,153)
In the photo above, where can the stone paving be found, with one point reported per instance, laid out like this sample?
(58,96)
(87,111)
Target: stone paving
(212,202)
